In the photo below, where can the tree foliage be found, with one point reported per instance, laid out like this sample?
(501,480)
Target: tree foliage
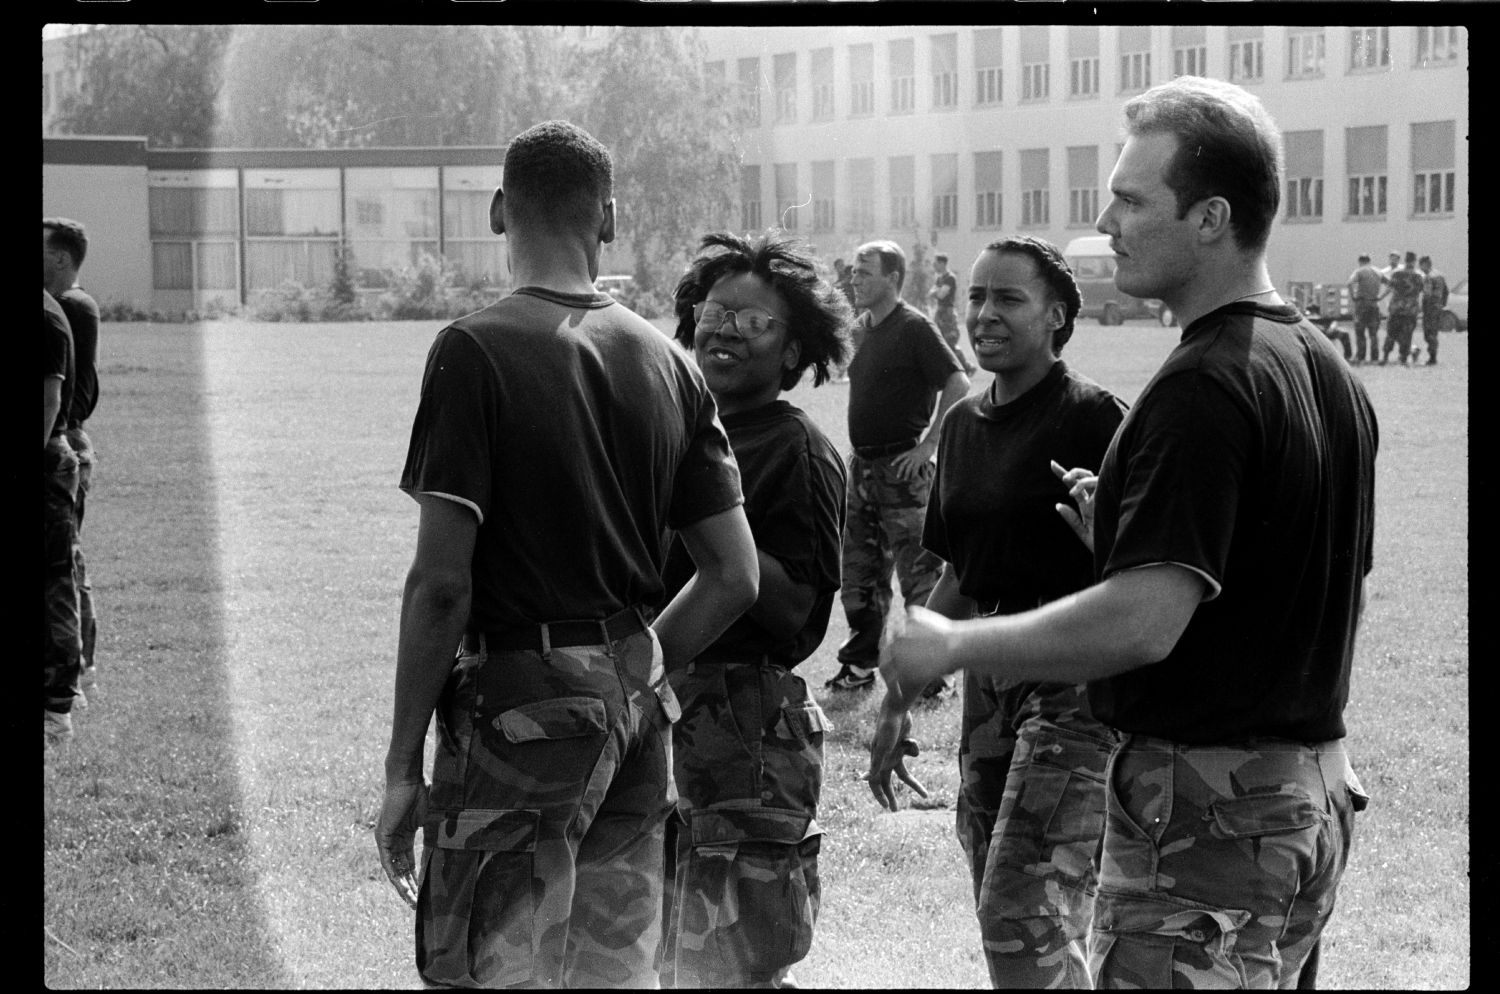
(160,81)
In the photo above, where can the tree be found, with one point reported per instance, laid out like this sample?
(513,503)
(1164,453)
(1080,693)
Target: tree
(672,132)
(160,81)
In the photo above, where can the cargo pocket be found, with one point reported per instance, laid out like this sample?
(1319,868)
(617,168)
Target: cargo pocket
(1140,941)
(475,909)
(558,718)
(750,894)
(1255,815)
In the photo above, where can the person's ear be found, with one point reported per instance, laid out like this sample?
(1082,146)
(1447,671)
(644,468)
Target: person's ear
(607,227)
(497,212)
(791,354)
(1213,218)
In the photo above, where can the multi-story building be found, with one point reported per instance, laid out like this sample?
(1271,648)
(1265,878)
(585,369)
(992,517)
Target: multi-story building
(956,135)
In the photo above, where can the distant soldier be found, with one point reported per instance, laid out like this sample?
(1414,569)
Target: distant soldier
(1406,303)
(1366,287)
(1434,300)
(944,294)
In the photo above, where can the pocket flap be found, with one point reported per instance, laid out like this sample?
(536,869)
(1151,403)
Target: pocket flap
(487,830)
(1263,814)
(720,826)
(668,698)
(1136,912)
(561,718)
(805,720)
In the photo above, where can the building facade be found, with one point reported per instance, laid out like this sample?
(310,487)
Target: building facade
(956,135)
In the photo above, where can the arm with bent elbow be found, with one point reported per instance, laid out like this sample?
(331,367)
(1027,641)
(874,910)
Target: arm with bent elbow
(723,587)
(782,606)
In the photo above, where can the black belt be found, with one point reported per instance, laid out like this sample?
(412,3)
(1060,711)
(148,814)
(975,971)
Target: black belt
(876,451)
(556,634)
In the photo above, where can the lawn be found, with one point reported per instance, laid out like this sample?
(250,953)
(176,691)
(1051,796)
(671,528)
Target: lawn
(210,826)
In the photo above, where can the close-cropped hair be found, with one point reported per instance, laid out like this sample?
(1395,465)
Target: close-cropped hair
(1055,272)
(558,174)
(1227,146)
(818,314)
(68,235)
(892,259)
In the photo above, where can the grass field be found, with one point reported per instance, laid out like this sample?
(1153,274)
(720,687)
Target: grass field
(210,826)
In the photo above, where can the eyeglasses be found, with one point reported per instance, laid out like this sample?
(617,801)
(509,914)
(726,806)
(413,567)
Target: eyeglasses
(750,322)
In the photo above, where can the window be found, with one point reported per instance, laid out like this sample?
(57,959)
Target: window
(786,195)
(369,211)
(1365,166)
(1246,55)
(393,220)
(1083,185)
(1369,48)
(822,84)
(861,80)
(784,68)
(1304,59)
(1437,46)
(822,195)
(750,215)
(1135,71)
(1083,61)
(901,55)
(1304,175)
(861,186)
(1084,80)
(987,81)
(749,75)
(1432,166)
(945,70)
(1035,208)
(1190,61)
(945,191)
(193,220)
(471,253)
(987,184)
(1036,69)
(903,191)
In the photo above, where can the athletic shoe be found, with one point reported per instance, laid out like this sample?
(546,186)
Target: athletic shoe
(851,678)
(58,727)
(80,702)
(89,677)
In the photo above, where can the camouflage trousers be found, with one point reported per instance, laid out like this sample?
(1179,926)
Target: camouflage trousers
(62,645)
(1432,318)
(542,861)
(883,522)
(748,758)
(1398,328)
(1220,863)
(1030,820)
(79,440)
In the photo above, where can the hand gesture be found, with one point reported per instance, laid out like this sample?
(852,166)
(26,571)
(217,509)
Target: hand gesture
(888,752)
(908,465)
(916,657)
(401,814)
(1081,486)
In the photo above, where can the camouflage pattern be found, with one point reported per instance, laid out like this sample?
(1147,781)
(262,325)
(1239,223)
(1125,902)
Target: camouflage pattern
(62,645)
(1405,305)
(79,440)
(542,859)
(1030,818)
(1220,863)
(748,759)
(883,518)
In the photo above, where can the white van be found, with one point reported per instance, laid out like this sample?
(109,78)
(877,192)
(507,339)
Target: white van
(1094,270)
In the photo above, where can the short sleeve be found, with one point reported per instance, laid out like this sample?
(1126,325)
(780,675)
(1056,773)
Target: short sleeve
(708,478)
(934,529)
(933,356)
(452,434)
(800,526)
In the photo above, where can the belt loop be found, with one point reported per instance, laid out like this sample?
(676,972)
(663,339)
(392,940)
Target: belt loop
(483,649)
(604,638)
(546,644)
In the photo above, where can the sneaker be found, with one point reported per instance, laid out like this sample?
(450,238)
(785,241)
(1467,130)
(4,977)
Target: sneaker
(80,702)
(58,727)
(851,678)
(89,677)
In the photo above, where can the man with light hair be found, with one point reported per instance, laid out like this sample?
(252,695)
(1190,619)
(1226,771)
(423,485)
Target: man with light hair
(1232,526)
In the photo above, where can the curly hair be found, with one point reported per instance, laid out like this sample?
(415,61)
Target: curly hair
(818,314)
(557,171)
(1055,272)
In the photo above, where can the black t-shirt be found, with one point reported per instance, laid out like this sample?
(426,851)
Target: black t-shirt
(1250,459)
(895,376)
(992,512)
(951,282)
(57,354)
(794,499)
(83,318)
(577,433)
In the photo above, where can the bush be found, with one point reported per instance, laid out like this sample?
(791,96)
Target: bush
(125,310)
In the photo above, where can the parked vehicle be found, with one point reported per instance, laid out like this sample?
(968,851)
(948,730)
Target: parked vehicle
(618,287)
(1456,314)
(1093,265)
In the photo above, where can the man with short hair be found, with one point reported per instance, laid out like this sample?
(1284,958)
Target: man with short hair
(901,366)
(64,246)
(61,644)
(1232,525)
(944,294)
(1406,297)
(1434,300)
(1366,287)
(557,438)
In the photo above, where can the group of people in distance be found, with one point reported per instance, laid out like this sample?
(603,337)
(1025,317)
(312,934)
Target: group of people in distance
(625,549)
(70,391)
(1413,288)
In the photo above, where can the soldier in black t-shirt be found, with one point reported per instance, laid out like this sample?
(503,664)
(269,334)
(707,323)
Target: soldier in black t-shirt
(748,751)
(61,645)
(1232,523)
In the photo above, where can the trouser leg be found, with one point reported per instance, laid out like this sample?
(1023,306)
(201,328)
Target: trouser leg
(867,567)
(62,646)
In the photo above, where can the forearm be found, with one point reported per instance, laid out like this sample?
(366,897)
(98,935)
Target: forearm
(954,390)
(946,599)
(433,617)
(782,605)
(707,605)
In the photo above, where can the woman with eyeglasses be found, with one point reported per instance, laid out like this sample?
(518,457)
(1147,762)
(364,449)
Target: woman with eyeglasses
(742,857)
